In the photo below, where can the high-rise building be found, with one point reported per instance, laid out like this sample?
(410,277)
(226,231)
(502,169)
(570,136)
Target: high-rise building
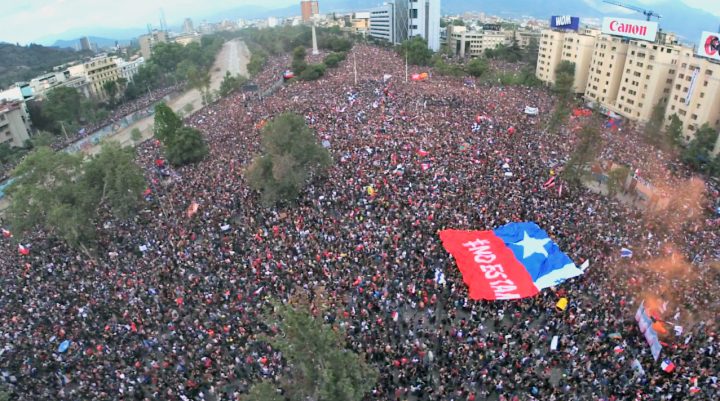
(188,26)
(693,97)
(85,43)
(408,18)
(309,8)
(607,63)
(381,25)
(466,43)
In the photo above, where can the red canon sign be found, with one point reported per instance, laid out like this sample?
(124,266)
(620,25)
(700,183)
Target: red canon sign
(616,26)
(631,28)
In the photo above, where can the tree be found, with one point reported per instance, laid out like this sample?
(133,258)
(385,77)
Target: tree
(264,391)
(653,128)
(61,193)
(477,67)
(115,179)
(616,179)
(531,52)
(41,139)
(313,72)
(587,149)
(166,122)
(320,368)
(333,59)
(291,157)
(698,151)
(564,79)
(186,146)
(111,89)
(445,68)
(458,22)
(230,83)
(674,131)
(298,62)
(416,50)
(63,104)
(135,135)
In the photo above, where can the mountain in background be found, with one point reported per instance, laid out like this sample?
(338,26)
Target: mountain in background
(102,43)
(20,63)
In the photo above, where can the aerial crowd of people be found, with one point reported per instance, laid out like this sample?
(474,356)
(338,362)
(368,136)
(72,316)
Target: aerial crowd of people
(175,303)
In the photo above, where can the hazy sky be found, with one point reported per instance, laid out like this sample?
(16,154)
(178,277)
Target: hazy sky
(34,20)
(31,20)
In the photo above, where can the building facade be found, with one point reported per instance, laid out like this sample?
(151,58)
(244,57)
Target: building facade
(607,63)
(550,49)
(647,78)
(308,9)
(97,71)
(578,49)
(128,69)
(407,18)
(14,124)
(464,43)
(147,42)
(693,97)
(381,24)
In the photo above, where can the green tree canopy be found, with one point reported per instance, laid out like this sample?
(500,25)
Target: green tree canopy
(63,104)
(674,131)
(564,79)
(166,122)
(63,194)
(653,128)
(477,67)
(698,151)
(320,367)
(313,72)
(231,83)
(186,146)
(588,148)
(416,50)
(291,156)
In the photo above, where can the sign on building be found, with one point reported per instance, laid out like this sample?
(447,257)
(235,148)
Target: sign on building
(630,28)
(491,27)
(709,45)
(565,22)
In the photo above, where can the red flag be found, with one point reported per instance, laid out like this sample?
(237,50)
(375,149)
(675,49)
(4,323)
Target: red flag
(147,192)
(6,233)
(422,153)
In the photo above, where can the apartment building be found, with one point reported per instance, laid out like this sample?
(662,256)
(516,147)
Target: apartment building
(648,75)
(14,123)
(550,52)
(693,97)
(381,24)
(97,71)
(578,49)
(608,63)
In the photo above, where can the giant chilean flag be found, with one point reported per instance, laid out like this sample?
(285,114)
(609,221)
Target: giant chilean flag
(514,261)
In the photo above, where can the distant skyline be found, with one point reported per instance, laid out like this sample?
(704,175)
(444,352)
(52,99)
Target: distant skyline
(29,21)
(39,21)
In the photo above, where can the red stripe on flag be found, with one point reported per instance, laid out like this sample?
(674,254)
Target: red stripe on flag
(488,266)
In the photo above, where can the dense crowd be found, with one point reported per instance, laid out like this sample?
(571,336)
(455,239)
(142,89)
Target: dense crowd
(173,307)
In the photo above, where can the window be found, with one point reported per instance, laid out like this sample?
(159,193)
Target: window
(708,72)
(702,95)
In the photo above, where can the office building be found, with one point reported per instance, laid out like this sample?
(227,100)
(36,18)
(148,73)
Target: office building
(19,91)
(402,19)
(693,97)
(14,123)
(97,71)
(308,9)
(150,40)
(381,24)
(188,26)
(465,43)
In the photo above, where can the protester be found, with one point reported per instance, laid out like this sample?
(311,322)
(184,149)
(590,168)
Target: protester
(174,305)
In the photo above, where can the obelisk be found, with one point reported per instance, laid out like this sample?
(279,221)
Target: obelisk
(314,39)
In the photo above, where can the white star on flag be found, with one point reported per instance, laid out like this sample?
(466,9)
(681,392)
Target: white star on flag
(532,245)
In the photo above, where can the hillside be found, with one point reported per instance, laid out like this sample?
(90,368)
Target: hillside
(19,63)
(103,43)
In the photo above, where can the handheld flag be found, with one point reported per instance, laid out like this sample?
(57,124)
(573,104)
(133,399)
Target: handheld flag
(6,233)
(514,261)
(23,250)
(667,366)
(626,253)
